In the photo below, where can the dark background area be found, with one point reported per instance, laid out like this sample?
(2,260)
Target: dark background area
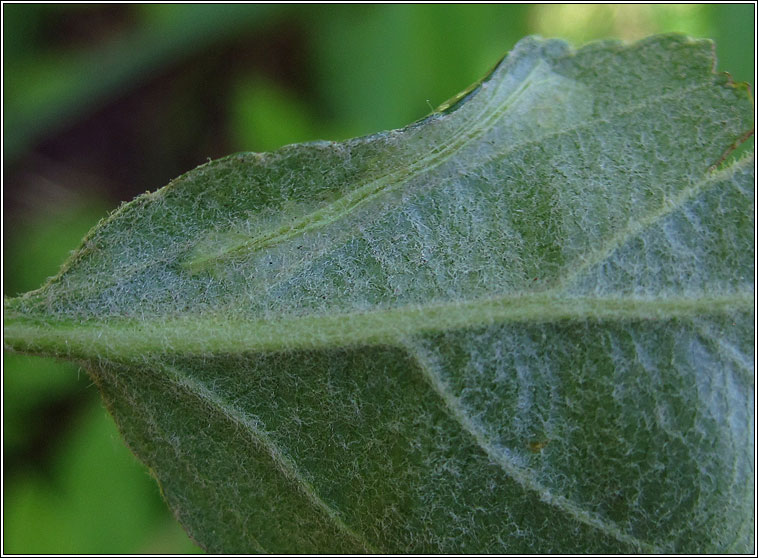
(103,102)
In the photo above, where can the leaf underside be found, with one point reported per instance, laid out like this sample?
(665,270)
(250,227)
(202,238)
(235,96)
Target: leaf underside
(522,324)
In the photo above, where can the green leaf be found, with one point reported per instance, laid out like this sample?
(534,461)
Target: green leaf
(522,324)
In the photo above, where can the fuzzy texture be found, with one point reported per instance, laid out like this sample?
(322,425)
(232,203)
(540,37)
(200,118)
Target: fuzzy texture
(522,324)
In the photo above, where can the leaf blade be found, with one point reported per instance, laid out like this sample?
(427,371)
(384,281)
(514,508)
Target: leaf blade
(483,332)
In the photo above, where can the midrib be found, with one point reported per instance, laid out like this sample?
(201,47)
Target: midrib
(220,334)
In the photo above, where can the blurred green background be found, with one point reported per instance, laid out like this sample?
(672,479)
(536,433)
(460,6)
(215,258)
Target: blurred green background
(103,102)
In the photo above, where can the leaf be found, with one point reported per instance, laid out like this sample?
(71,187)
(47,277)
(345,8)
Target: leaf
(522,324)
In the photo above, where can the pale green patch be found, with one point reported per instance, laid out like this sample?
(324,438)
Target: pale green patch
(543,102)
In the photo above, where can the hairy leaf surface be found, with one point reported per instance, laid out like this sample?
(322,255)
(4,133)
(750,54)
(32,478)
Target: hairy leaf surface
(522,324)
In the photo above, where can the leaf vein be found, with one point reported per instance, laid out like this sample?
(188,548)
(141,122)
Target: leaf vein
(283,463)
(637,226)
(523,477)
(195,334)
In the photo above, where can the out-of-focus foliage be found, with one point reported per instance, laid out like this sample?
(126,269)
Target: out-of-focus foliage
(104,102)
(49,86)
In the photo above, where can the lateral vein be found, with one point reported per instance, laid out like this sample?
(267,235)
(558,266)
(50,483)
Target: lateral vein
(520,475)
(283,463)
(643,223)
